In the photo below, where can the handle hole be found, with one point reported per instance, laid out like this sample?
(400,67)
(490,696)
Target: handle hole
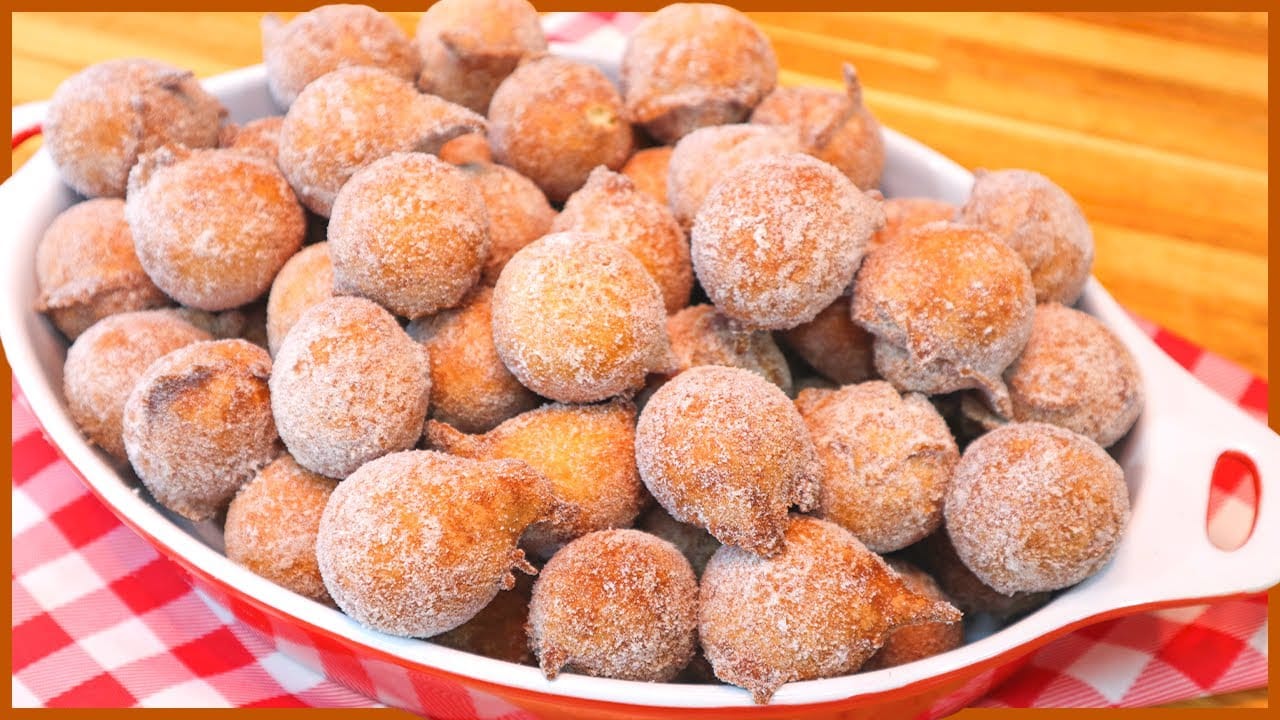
(1233,501)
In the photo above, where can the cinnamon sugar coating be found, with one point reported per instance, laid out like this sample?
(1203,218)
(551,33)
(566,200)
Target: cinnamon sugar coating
(470,387)
(1037,218)
(887,461)
(611,206)
(469,46)
(833,344)
(349,386)
(615,603)
(834,127)
(779,239)
(1074,373)
(104,117)
(1034,507)
(104,363)
(692,65)
(212,227)
(353,116)
(518,213)
(578,319)
(705,156)
(701,336)
(416,543)
(409,232)
(260,137)
(554,120)
(902,215)
(315,43)
(272,524)
(725,450)
(86,268)
(818,609)
(917,642)
(938,330)
(198,425)
(305,280)
(586,452)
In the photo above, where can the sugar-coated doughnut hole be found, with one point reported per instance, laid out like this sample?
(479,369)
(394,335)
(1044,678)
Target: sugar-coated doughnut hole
(1034,507)
(648,168)
(518,213)
(149,103)
(887,461)
(833,127)
(587,452)
(833,344)
(105,362)
(610,205)
(779,239)
(469,46)
(86,268)
(261,137)
(349,386)
(466,149)
(315,43)
(198,425)
(951,307)
(701,336)
(902,215)
(724,449)
(416,543)
(693,65)
(615,603)
(212,227)
(305,280)
(554,120)
(1031,214)
(272,524)
(917,642)
(578,319)
(409,232)
(353,116)
(703,158)
(693,542)
(819,608)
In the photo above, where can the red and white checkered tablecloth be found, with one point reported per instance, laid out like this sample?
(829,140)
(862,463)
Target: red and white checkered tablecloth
(101,619)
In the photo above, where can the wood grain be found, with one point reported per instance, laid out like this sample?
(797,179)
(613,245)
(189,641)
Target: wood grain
(1155,122)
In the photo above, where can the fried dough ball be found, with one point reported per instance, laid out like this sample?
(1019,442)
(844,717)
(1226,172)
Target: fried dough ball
(950,306)
(518,213)
(212,227)
(469,46)
(887,461)
(834,127)
(1074,373)
(247,323)
(104,117)
(497,631)
(724,449)
(938,556)
(818,609)
(586,451)
(330,37)
(416,543)
(353,116)
(553,120)
(1035,507)
(470,387)
(105,362)
(86,268)
(349,386)
(409,232)
(467,149)
(1034,216)
(272,524)
(579,319)
(304,281)
(693,542)
(902,215)
(261,137)
(917,642)
(615,603)
(833,344)
(692,65)
(701,336)
(611,206)
(779,239)
(705,156)
(648,170)
(198,425)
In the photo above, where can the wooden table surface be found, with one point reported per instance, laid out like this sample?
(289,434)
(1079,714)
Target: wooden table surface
(1156,123)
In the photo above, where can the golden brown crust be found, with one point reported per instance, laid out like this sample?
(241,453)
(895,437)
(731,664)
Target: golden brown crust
(648,170)
(518,213)
(833,344)
(705,156)
(260,137)
(701,336)
(305,280)
(467,149)
(902,215)
(917,642)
